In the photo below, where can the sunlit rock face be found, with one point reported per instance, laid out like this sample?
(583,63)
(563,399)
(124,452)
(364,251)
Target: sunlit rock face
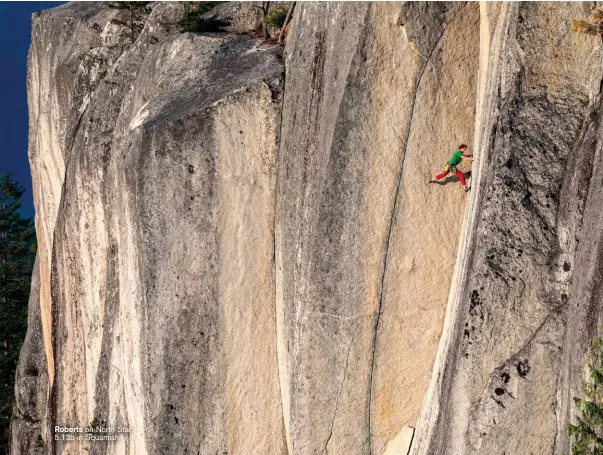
(240,253)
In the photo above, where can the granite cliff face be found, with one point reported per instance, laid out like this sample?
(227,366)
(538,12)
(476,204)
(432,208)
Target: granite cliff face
(240,254)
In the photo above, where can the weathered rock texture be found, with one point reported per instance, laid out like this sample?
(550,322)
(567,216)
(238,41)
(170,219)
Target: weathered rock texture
(240,253)
(163,334)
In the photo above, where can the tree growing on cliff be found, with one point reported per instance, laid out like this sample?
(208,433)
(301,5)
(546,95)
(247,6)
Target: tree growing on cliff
(285,27)
(17,253)
(276,18)
(136,10)
(587,432)
(265,7)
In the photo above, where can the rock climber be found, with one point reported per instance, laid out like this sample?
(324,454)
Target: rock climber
(458,156)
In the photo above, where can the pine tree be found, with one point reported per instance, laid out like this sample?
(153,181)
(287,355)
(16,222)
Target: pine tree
(17,253)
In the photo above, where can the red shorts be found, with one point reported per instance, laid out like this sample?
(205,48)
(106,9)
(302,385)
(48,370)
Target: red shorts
(458,173)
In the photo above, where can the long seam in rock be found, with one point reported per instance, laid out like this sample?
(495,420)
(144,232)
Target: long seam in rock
(52,394)
(52,398)
(595,106)
(276,186)
(316,110)
(391,222)
(345,374)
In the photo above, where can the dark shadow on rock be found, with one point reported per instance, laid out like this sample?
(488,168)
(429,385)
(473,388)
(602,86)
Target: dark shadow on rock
(452,178)
(213,24)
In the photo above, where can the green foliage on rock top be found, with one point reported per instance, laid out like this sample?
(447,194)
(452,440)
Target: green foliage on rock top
(17,253)
(587,433)
(193,21)
(275,17)
(128,5)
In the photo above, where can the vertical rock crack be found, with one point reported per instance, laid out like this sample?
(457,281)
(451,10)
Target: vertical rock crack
(378,312)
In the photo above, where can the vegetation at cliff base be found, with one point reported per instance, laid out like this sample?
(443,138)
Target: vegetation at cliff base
(17,254)
(587,432)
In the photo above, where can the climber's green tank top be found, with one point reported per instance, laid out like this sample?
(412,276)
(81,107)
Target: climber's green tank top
(456,158)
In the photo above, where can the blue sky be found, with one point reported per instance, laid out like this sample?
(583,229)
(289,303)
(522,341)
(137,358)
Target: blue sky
(15,37)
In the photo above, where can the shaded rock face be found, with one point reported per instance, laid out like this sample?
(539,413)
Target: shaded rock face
(147,331)
(240,253)
(29,410)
